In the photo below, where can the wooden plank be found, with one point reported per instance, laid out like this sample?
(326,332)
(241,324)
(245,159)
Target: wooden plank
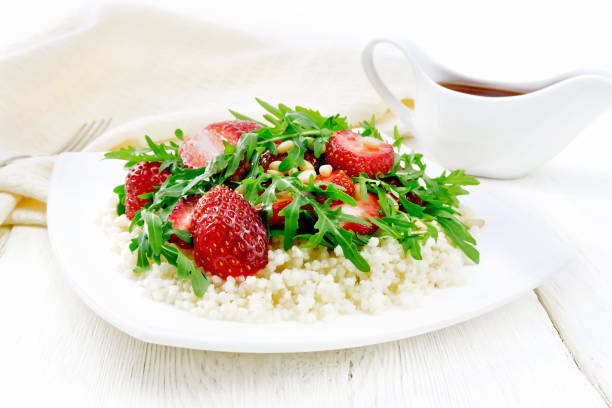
(573,195)
(53,346)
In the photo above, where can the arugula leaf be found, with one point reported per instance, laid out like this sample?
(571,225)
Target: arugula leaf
(151,244)
(120,191)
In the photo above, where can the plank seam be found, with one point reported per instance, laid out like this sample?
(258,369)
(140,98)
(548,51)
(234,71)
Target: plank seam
(569,350)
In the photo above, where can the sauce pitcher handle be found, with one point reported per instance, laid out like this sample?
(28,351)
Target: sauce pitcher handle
(396,106)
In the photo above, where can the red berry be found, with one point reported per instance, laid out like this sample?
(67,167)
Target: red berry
(229,237)
(275,219)
(414,198)
(370,207)
(198,149)
(339,178)
(181,217)
(142,179)
(242,170)
(231,130)
(350,151)
(410,196)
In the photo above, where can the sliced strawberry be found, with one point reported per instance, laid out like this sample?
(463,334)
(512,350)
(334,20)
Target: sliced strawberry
(275,219)
(231,130)
(242,170)
(181,217)
(142,179)
(229,237)
(370,207)
(356,154)
(340,178)
(414,198)
(198,149)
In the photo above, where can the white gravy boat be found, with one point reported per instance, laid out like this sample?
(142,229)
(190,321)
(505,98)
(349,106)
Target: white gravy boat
(498,137)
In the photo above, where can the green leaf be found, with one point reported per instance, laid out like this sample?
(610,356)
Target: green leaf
(270,108)
(199,282)
(458,234)
(240,116)
(459,177)
(397,139)
(120,191)
(154,231)
(291,214)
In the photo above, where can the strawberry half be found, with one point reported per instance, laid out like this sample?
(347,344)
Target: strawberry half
(339,178)
(369,206)
(229,237)
(198,149)
(275,219)
(231,130)
(142,179)
(356,154)
(181,217)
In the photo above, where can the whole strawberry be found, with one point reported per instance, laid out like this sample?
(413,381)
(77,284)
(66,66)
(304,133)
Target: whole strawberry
(142,179)
(356,154)
(198,149)
(229,237)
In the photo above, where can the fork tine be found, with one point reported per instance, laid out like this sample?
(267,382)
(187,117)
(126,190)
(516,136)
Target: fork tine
(104,124)
(77,140)
(71,140)
(93,132)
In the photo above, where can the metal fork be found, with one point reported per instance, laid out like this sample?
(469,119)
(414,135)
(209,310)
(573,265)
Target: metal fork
(81,138)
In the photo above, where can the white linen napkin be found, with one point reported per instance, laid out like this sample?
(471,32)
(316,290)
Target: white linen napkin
(128,62)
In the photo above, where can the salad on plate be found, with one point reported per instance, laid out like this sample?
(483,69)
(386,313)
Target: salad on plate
(299,216)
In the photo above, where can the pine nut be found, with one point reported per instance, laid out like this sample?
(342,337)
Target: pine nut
(241,189)
(325,170)
(306,166)
(274,172)
(283,195)
(304,176)
(285,146)
(274,165)
(293,171)
(310,142)
(371,142)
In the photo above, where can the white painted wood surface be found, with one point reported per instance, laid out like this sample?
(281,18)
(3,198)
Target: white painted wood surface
(551,348)
(573,194)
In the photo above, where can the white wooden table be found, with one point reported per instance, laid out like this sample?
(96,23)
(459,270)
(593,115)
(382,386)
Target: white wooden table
(550,348)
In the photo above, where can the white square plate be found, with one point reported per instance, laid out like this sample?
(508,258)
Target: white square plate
(517,253)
